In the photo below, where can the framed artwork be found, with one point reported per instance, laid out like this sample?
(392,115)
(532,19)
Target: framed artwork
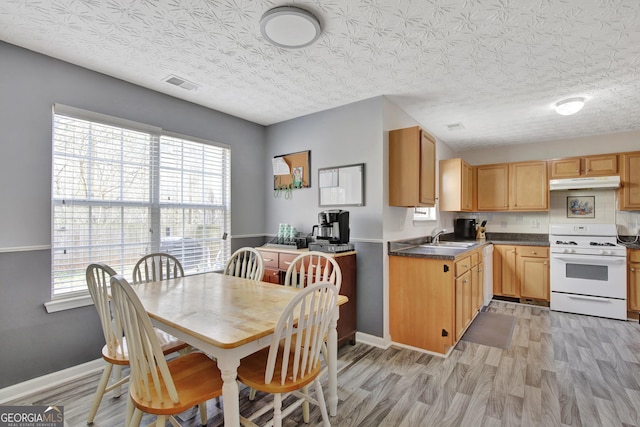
(581,207)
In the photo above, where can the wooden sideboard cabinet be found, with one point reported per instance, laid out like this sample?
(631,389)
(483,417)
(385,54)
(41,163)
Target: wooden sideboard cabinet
(277,261)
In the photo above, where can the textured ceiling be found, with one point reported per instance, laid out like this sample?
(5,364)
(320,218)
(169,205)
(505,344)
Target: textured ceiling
(495,66)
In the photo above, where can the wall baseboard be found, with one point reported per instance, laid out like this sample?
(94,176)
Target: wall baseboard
(373,340)
(53,379)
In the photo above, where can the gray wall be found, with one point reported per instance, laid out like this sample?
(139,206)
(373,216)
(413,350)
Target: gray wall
(35,343)
(341,136)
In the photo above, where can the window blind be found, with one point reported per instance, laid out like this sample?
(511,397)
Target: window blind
(120,192)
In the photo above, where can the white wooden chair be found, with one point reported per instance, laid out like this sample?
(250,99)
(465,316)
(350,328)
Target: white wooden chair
(115,350)
(309,268)
(292,361)
(156,386)
(312,267)
(245,262)
(156,266)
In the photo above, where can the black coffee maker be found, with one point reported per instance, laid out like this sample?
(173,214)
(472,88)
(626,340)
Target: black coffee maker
(333,226)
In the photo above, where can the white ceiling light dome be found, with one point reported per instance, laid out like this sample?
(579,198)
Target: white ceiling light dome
(290,27)
(569,106)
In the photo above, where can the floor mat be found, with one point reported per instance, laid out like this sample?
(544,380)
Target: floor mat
(491,329)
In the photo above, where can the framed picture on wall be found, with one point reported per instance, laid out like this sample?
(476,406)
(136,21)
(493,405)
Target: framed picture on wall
(581,207)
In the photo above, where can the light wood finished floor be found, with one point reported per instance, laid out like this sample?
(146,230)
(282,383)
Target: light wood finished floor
(560,370)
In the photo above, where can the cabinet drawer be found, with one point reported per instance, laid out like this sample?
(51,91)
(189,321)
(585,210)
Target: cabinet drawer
(271,275)
(463,265)
(270,259)
(634,255)
(534,251)
(475,258)
(285,260)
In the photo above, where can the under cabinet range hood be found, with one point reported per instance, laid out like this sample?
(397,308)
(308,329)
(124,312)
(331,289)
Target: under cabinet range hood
(587,183)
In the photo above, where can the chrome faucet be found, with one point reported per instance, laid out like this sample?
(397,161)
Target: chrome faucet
(435,235)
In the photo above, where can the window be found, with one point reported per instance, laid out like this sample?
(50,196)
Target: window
(121,190)
(425,214)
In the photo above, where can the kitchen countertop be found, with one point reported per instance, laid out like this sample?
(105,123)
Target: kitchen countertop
(631,242)
(416,247)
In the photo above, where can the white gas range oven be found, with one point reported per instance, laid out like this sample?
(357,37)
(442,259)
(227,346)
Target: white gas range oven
(588,272)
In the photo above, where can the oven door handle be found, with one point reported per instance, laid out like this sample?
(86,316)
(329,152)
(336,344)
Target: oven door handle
(600,260)
(584,297)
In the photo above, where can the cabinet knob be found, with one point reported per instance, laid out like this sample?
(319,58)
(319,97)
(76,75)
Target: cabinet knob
(534,252)
(633,269)
(577,170)
(588,170)
(545,263)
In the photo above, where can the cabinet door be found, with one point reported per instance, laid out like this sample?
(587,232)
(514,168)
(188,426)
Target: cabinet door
(463,303)
(505,281)
(475,289)
(529,186)
(565,168)
(630,198)
(480,296)
(467,187)
(601,165)
(427,170)
(634,287)
(534,277)
(421,303)
(492,187)
(412,168)
(633,280)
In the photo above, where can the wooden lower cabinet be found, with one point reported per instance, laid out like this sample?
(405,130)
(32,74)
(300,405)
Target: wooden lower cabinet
(521,271)
(633,280)
(277,261)
(431,301)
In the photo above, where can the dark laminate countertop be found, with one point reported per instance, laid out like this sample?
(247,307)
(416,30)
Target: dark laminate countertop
(631,242)
(414,247)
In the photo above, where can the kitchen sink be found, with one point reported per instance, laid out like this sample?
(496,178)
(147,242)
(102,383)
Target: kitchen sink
(452,244)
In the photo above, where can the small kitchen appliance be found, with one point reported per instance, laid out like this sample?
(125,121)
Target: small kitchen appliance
(332,232)
(588,271)
(333,226)
(464,228)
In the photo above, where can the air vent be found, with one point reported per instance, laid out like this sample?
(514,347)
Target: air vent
(455,126)
(180,82)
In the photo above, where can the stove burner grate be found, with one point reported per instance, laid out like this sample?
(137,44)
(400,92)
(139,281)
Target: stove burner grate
(562,242)
(601,244)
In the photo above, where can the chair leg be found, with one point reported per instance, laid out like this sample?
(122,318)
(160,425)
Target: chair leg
(277,410)
(252,393)
(321,403)
(117,392)
(136,418)
(203,413)
(102,385)
(129,411)
(161,421)
(305,405)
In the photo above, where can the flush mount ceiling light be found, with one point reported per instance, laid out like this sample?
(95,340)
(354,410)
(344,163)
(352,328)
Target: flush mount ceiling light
(290,27)
(569,106)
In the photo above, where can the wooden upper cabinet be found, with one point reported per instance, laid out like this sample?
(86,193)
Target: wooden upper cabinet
(528,186)
(630,191)
(492,183)
(574,167)
(456,186)
(412,168)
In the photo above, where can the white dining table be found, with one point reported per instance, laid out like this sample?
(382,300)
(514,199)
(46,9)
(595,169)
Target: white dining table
(229,318)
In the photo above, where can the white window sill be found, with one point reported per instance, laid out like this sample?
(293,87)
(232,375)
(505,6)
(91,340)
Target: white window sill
(68,303)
